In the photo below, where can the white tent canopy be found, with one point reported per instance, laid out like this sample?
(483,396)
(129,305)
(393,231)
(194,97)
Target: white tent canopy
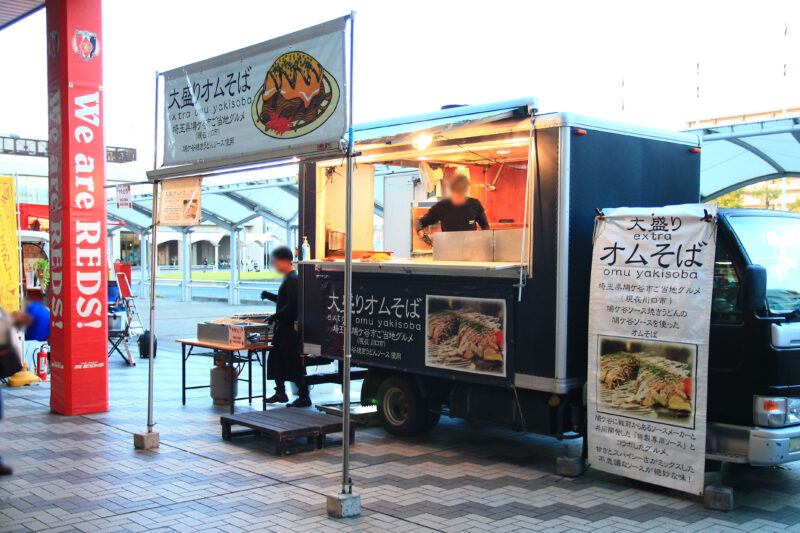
(738,155)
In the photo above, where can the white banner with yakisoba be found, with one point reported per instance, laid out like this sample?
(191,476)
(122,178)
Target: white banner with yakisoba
(285,95)
(649,320)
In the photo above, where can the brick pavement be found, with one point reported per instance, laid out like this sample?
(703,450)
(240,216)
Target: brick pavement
(82,474)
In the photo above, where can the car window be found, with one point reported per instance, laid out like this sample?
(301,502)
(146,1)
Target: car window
(724,307)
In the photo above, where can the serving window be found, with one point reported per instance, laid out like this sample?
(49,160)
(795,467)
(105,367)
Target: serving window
(395,183)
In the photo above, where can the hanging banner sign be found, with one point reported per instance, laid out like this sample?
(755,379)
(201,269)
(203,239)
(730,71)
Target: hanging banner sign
(124,199)
(649,320)
(179,202)
(9,254)
(285,94)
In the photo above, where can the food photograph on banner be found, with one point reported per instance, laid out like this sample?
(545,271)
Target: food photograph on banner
(466,334)
(647,380)
(286,93)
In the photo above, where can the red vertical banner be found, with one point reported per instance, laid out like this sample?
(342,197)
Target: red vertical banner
(78,264)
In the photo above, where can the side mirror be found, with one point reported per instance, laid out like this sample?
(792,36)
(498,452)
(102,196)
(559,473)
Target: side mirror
(753,294)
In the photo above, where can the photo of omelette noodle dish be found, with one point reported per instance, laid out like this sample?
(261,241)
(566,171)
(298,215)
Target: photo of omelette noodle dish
(647,379)
(466,334)
(296,94)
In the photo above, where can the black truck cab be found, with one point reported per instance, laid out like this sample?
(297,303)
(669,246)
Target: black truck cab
(754,358)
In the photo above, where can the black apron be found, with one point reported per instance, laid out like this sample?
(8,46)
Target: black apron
(284,362)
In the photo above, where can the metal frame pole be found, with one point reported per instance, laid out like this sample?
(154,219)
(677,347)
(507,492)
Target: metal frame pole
(347,483)
(153,268)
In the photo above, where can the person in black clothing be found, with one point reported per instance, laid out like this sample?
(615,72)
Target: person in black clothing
(458,212)
(284,362)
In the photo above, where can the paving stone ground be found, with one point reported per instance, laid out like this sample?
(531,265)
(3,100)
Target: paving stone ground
(82,474)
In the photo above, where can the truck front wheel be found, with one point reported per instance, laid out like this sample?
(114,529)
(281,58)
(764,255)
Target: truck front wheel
(402,409)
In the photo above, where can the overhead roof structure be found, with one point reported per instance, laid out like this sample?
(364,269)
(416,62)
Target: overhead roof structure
(227,206)
(16,10)
(737,155)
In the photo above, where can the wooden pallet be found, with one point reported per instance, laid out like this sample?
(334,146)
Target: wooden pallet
(291,430)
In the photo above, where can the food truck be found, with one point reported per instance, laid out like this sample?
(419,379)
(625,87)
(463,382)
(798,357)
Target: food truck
(516,292)
(491,325)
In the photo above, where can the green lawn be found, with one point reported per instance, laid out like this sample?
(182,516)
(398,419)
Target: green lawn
(224,275)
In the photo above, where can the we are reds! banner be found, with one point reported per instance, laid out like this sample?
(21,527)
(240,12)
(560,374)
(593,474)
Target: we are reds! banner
(78,271)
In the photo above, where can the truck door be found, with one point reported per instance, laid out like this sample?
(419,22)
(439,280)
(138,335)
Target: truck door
(730,379)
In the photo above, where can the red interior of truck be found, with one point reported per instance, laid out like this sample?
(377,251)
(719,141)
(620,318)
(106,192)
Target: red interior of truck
(500,187)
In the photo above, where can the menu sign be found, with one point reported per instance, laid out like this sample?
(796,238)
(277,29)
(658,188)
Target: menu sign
(649,319)
(179,202)
(285,94)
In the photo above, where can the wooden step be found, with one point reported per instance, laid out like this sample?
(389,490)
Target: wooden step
(291,429)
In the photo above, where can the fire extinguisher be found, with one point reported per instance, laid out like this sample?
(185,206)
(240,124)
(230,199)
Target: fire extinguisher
(41,364)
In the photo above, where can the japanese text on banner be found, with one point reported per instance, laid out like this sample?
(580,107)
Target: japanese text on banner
(649,319)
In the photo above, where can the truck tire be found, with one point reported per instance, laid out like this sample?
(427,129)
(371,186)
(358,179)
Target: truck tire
(402,410)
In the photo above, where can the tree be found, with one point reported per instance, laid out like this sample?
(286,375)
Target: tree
(767,194)
(732,199)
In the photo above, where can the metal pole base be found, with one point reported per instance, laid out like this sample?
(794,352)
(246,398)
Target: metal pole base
(344,505)
(145,441)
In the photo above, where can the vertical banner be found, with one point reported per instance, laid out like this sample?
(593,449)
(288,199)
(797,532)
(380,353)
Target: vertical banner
(649,319)
(179,202)
(9,254)
(78,273)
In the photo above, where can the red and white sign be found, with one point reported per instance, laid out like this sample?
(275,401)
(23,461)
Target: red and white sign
(124,199)
(236,336)
(78,272)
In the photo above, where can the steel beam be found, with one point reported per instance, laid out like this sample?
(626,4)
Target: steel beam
(246,219)
(256,207)
(135,228)
(186,265)
(141,209)
(233,288)
(219,221)
(731,133)
(291,189)
(758,153)
(143,271)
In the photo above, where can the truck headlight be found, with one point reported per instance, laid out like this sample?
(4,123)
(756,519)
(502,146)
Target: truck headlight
(776,411)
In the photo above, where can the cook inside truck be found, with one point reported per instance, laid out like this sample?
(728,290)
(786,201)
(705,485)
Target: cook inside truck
(457,212)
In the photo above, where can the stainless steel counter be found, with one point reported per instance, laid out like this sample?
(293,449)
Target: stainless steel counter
(426,266)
